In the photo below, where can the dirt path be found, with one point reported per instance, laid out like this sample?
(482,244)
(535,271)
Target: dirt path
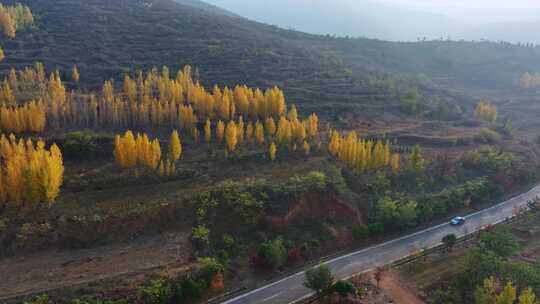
(34,273)
(391,286)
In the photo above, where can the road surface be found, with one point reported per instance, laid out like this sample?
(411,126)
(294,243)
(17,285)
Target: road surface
(291,289)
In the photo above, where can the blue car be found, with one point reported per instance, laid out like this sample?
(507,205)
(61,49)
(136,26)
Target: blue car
(457,221)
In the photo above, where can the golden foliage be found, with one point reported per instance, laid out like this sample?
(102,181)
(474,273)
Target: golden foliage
(362,154)
(220,131)
(231,136)
(155,100)
(175,147)
(75,75)
(30,174)
(208,131)
(272,151)
(259,133)
(307,148)
(27,118)
(486,111)
(130,151)
(14,18)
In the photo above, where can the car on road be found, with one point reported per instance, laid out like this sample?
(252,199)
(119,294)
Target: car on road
(458,220)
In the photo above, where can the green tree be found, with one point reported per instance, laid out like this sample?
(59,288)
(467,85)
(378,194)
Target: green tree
(201,235)
(273,253)
(344,288)
(360,232)
(481,264)
(386,209)
(410,101)
(210,266)
(158,291)
(416,160)
(80,145)
(449,241)
(500,241)
(319,278)
(396,213)
(406,215)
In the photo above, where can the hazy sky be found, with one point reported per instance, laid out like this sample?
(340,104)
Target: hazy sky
(477,11)
(508,20)
(470,3)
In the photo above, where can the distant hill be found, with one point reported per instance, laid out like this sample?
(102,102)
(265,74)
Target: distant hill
(374,19)
(357,18)
(453,64)
(524,32)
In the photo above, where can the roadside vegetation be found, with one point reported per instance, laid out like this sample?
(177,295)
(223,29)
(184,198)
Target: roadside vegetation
(500,264)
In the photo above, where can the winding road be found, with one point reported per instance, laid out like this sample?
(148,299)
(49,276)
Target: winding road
(291,289)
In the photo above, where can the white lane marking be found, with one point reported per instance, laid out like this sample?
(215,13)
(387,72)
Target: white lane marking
(274,296)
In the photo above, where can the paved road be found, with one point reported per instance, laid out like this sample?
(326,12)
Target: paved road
(291,289)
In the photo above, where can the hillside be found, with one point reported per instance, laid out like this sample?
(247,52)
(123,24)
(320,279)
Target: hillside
(470,64)
(171,152)
(206,6)
(524,31)
(228,49)
(107,38)
(454,64)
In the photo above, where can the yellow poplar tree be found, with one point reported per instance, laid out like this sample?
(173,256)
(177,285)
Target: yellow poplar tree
(259,133)
(125,150)
(7,24)
(220,131)
(208,131)
(395,162)
(175,147)
(108,91)
(75,75)
(293,114)
(31,174)
(156,154)
(250,132)
(306,147)
(313,123)
(240,130)
(272,151)
(270,127)
(54,174)
(196,135)
(231,136)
